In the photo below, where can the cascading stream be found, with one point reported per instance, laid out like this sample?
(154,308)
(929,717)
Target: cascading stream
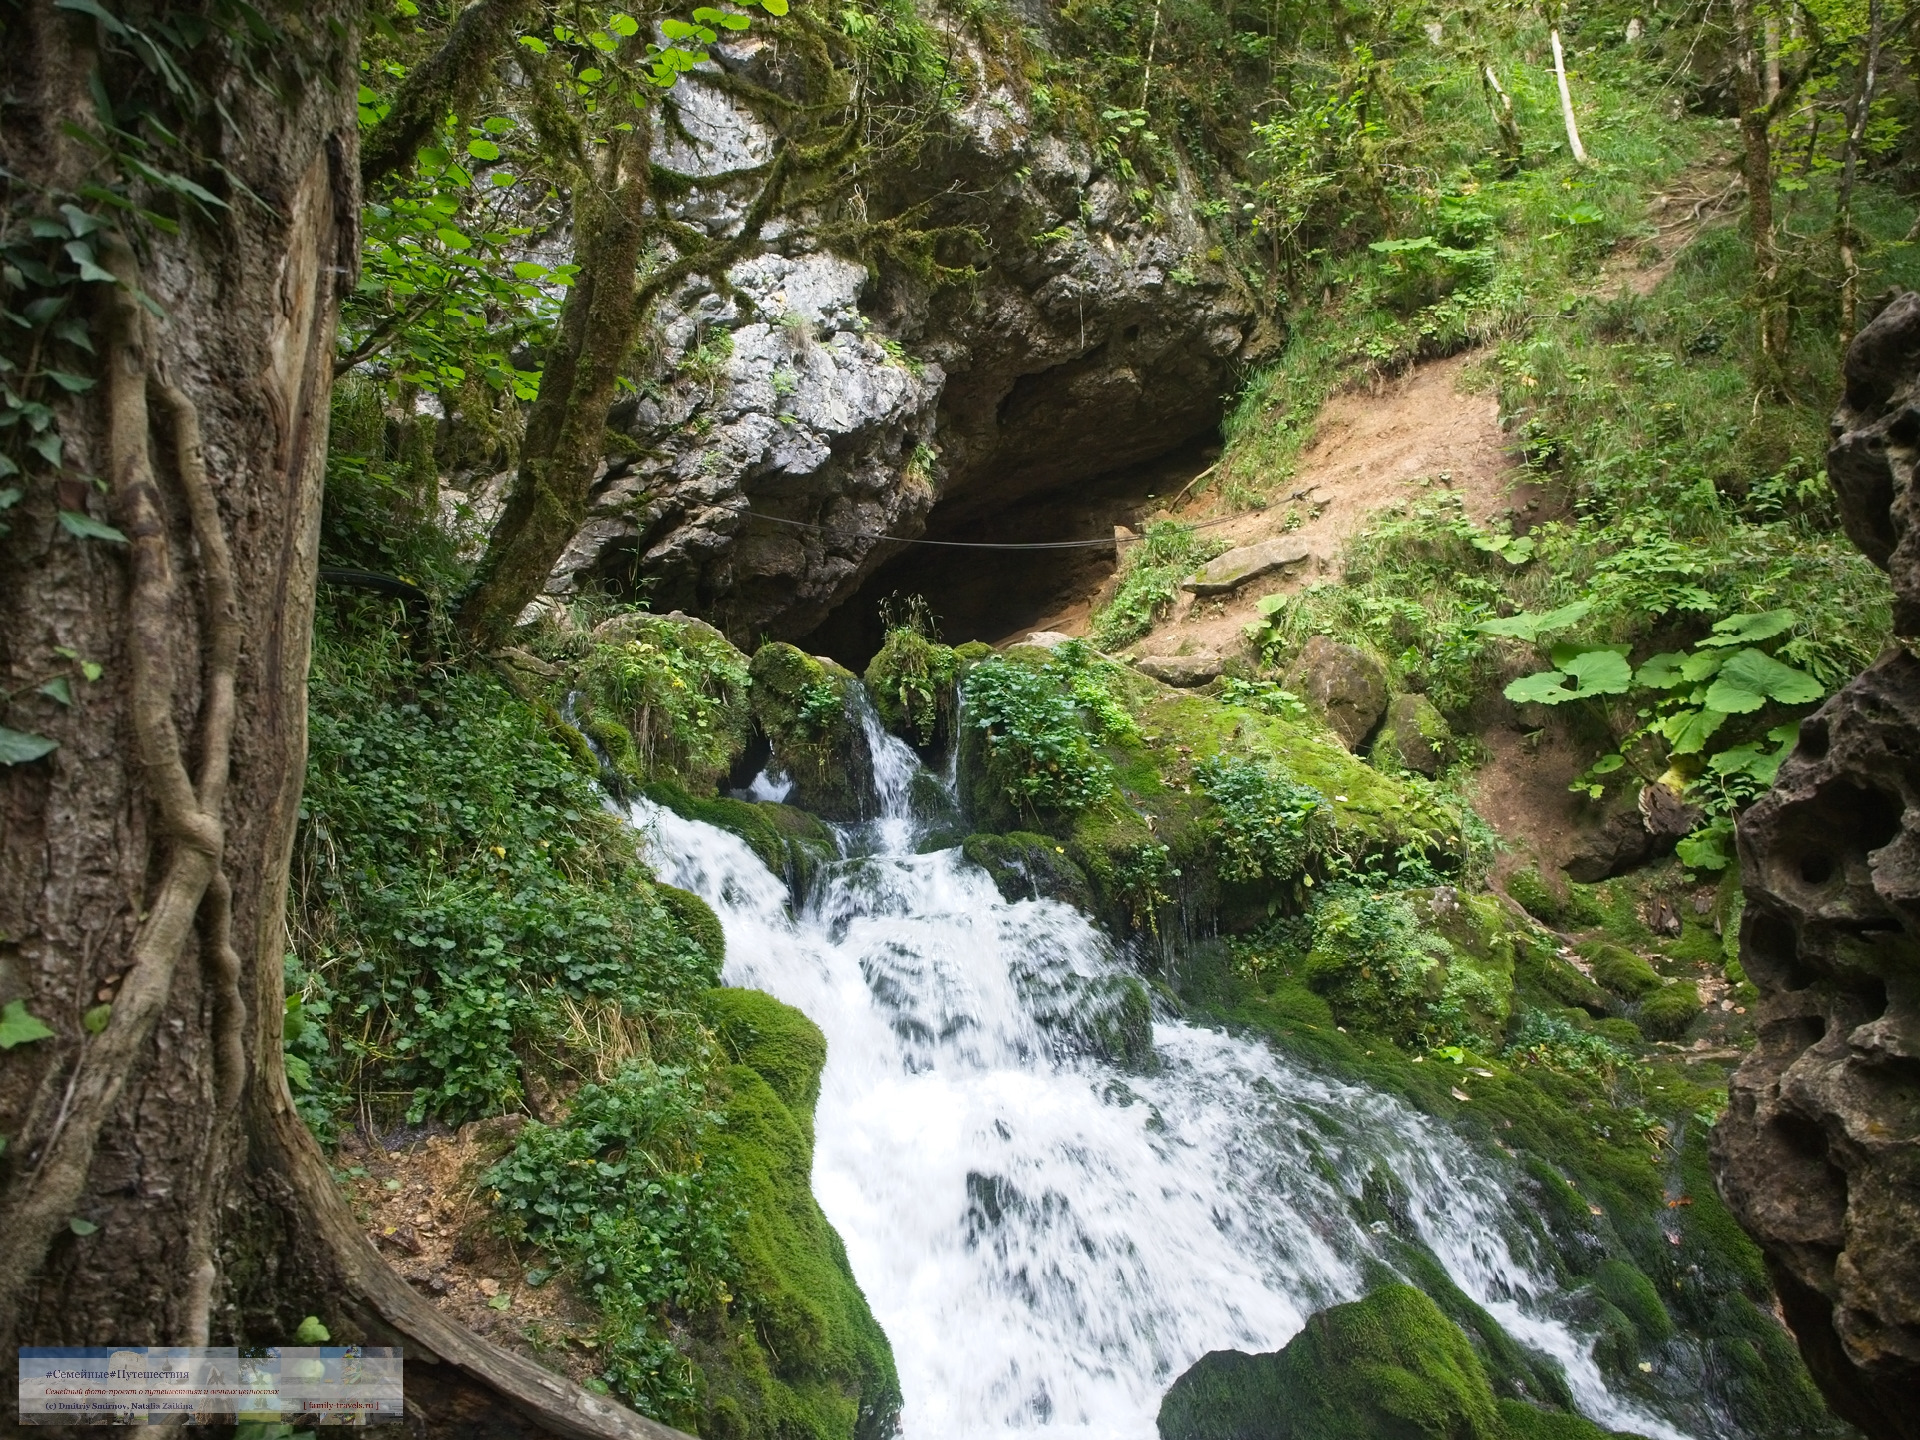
(1047,1239)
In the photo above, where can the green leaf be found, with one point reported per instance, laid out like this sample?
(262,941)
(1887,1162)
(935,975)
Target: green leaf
(623,25)
(95,1020)
(81,254)
(72,384)
(1756,670)
(1689,730)
(529,270)
(85,527)
(502,1301)
(299,1073)
(94,10)
(483,150)
(1750,629)
(774,7)
(17,747)
(47,446)
(453,239)
(1526,626)
(1607,764)
(17,1027)
(1662,671)
(1704,850)
(82,1227)
(1545,688)
(312,1332)
(58,689)
(1601,672)
(534,43)
(1702,665)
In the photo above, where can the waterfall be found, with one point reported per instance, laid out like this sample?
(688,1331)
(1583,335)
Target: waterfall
(1049,1239)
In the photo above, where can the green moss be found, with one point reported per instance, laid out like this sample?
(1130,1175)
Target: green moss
(696,917)
(1526,1422)
(1584,906)
(1546,980)
(800,1357)
(1532,894)
(1668,1011)
(789,841)
(911,682)
(1633,1295)
(1389,1367)
(1624,973)
(1026,866)
(803,704)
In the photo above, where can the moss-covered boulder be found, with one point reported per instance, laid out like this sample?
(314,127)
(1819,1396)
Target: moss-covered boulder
(804,705)
(1620,970)
(1414,737)
(1668,1011)
(801,1356)
(1389,1367)
(1164,796)
(1534,895)
(789,841)
(696,917)
(1025,866)
(1546,980)
(912,683)
(663,697)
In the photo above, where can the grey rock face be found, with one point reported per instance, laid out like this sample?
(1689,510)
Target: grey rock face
(1226,573)
(1344,684)
(1818,1154)
(1415,737)
(814,406)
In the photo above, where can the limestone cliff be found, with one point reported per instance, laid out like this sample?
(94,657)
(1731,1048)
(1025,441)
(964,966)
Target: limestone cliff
(821,397)
(1819,1152)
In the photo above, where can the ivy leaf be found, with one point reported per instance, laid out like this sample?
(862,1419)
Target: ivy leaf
(1750,629)
(47,445)
(81,254)
(18,748)
(85,527)
(58,689)
(1525,626)
(72,384)
(17,1027)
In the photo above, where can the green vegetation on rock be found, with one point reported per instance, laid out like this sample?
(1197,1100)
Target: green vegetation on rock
(911,682)
(1620,970)
(804,705)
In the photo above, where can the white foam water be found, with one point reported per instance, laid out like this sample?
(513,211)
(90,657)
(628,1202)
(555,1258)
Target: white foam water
(1048,1240)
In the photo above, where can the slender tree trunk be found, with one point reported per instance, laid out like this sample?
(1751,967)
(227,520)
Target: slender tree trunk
(1771,319)
(566,433)
(1566,101)
(143,862)
(1847,241)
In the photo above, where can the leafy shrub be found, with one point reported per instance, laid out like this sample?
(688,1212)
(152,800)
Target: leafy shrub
(1620,970)
(1150,577)
(1668,1011)
(1268,826)
(1545,1039)
(1037,750)
(619,1196)
(911,681)
(1374,961)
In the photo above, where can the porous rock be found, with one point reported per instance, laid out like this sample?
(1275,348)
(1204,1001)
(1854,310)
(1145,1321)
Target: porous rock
(1818,1153)
(1226,573)
(1346,686)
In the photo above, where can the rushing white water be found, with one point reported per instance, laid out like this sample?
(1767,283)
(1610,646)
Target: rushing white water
(1047,1240)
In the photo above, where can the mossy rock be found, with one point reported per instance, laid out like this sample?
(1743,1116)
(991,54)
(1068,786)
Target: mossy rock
(1620,970)
(1414,738)
(912,683)
(1586,905)
(804,704)
(1533,895)
(1548,981)
(789,841)
(1633,1294)
(696,917)
(1026,866)
(1389,1367)
(1668,1011)
(800,1356)
(1109,1017)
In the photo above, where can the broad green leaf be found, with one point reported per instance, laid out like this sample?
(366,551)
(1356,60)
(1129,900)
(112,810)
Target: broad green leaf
(85,527)
(1689,730)
(17,747)
(47,445)
(1740,760)
(72,384)
(1527,626)
(81,254)
(1545,688)
(17,1027)
(534,43)
(1773,678)
(1567,651)
(1704,850)
(1601,672)
(625,24)
(1660,672)
(1271,604)
(483,150)
(1607,764)
(1733,697)
(1702,665)
(1750,629)
(675,29)
(774,7)
(529,270)
(453,239)
(81,1226)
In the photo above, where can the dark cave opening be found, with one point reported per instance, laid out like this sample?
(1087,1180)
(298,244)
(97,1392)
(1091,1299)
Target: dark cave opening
(999,595)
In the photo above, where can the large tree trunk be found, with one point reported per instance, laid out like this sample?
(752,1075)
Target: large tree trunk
(138,866)
(1751,88)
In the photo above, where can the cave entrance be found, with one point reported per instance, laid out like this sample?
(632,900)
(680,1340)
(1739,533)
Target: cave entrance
(1000,595)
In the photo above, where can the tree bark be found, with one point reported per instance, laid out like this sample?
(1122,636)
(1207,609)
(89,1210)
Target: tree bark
(1566,102)
(1771,319)
(143,863)
(1847,240)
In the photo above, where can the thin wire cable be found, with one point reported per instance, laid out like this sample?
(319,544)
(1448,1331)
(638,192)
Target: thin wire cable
(968,544)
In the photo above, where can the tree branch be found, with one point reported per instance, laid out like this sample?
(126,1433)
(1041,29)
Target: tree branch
(448,83)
